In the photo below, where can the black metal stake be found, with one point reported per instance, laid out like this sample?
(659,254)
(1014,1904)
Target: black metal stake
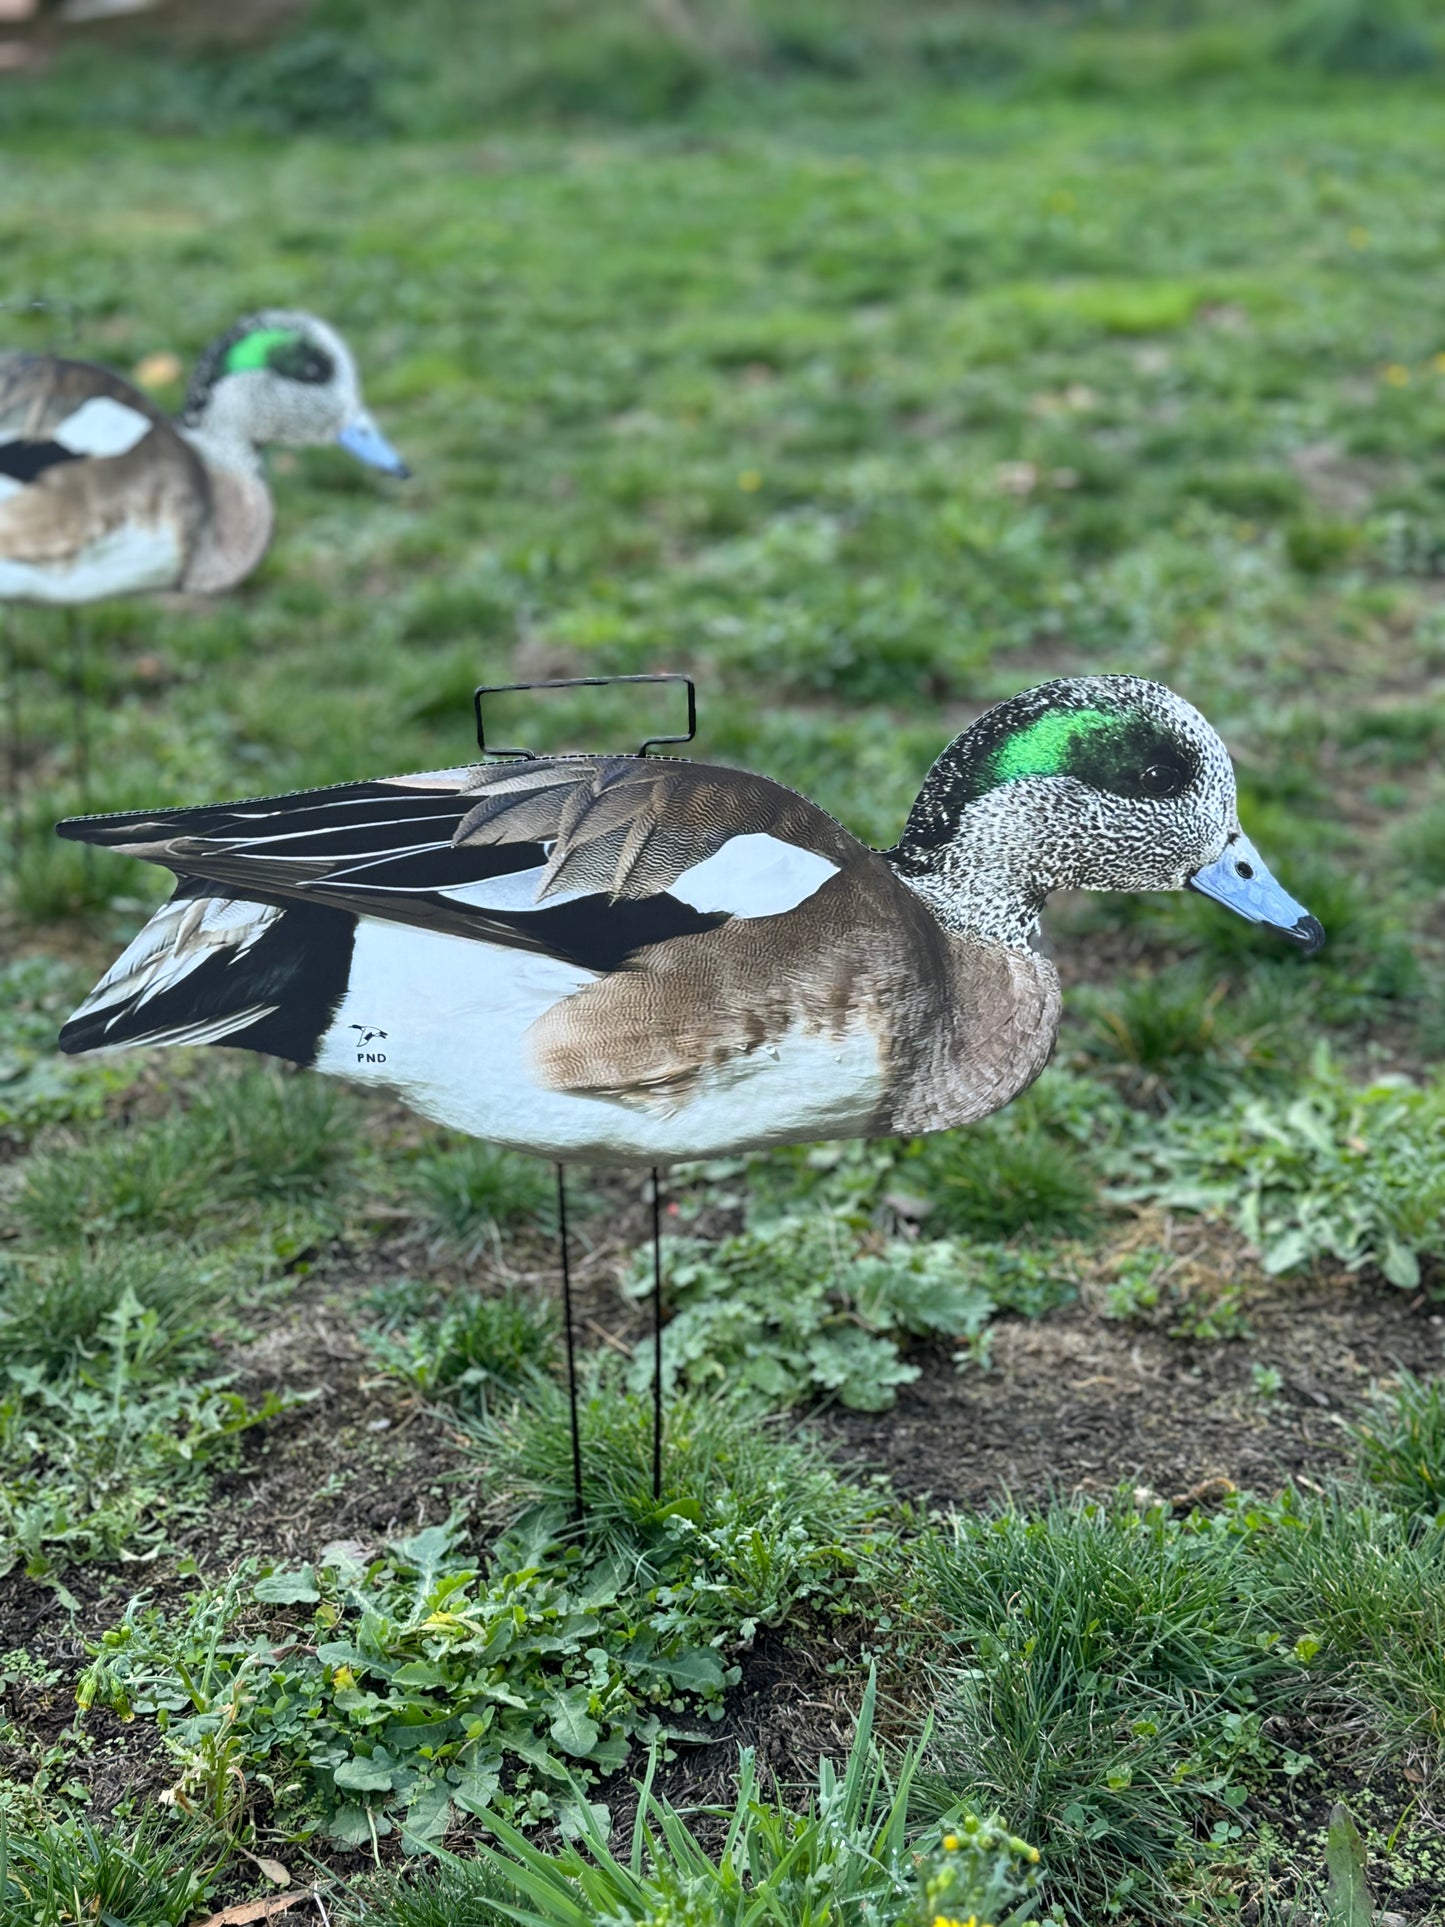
(80,721)
(577,1510)
(656,1335)
(14,805)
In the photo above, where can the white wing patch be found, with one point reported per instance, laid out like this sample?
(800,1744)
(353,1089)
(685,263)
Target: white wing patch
(177,940)
(750,876)
(103,427)
(754,876)
(124,562)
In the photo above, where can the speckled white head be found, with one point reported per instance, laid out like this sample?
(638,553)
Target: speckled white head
(1087,783)
(281,377)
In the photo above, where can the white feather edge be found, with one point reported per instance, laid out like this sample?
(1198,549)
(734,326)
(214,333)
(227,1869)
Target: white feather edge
(179,938)
(214,1031)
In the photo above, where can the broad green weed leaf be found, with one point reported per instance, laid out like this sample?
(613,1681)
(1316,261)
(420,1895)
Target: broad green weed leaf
(362,1775)
(1351,1902)
(288,1588)
(572,1727)
(351,1826)
(475,1788)
(1400,1265)
(696,1669)
(427,1551)
(428,1812)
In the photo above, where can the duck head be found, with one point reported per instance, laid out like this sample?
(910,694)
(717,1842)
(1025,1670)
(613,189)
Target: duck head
(281,377)
(1087,783)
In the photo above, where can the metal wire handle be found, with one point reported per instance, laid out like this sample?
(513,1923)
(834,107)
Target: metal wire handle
(583,682)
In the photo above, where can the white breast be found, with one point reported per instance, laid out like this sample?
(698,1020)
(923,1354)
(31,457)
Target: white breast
(443,1022)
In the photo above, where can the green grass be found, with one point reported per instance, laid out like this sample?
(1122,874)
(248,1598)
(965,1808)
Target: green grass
(1108,1667)
(467,1191)
(55,1308)
(869,363)
(1401,1445)
(1122,1681)
(263,1139)
(465,1351)
(77,1872)
(750,1521)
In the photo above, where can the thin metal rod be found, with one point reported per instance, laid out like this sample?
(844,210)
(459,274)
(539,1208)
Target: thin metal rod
(656,1334)
(571,1344)
(80,707)
(14,804)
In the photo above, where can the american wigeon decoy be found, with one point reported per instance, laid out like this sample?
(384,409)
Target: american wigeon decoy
(637,961)
(634,961)
(102,494)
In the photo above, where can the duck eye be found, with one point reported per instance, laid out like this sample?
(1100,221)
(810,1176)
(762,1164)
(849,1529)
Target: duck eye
(300,360)
(1161,779)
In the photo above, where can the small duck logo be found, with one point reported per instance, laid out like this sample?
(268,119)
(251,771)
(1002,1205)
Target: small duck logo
(367,1034)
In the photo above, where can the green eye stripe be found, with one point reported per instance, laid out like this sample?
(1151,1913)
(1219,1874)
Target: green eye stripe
(254,350)
(1043,747)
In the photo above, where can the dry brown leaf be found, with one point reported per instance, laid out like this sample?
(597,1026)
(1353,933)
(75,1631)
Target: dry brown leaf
(250,1910)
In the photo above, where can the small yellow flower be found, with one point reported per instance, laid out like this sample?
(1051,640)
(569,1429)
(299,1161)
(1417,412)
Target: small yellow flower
(343,1678)
(1032,1856)
(1396,374)
(1358,237)
(950,1843)
(750,481)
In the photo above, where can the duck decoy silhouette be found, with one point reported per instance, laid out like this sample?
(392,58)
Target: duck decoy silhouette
(636,961)
(101,494)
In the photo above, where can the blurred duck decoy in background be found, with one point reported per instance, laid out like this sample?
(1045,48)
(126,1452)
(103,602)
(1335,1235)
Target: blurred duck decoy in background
(101,494)
(636,961)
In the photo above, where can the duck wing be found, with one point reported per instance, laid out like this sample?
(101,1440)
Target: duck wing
(632,827)
(585,859)
(98,493)
(589,861)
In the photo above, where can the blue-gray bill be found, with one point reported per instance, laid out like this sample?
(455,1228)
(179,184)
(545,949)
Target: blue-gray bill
(363,439)
(1241,881)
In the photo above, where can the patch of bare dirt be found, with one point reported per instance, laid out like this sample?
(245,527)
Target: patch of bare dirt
(1079,1403)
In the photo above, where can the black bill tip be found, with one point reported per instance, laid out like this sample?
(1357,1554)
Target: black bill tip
(1308,933)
